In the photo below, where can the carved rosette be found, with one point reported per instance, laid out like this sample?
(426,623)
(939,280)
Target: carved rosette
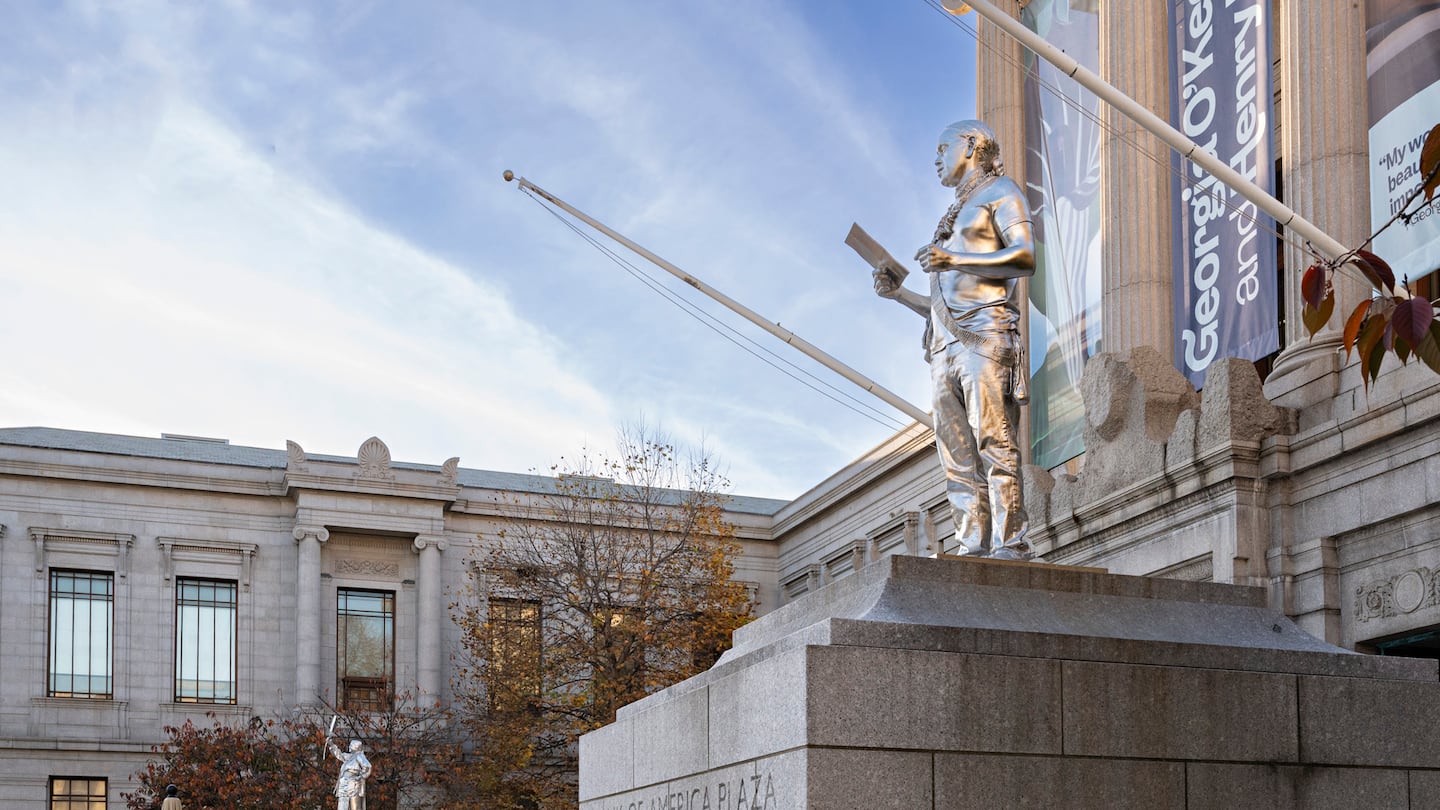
(1399,595)
(374,459)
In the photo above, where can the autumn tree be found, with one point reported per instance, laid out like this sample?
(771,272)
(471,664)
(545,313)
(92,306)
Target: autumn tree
(615,584)
(282,762)
(260,763)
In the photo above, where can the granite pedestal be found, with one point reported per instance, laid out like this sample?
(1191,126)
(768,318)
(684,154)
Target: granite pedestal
(955,683)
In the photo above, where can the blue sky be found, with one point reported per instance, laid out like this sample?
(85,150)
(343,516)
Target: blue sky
(287,221)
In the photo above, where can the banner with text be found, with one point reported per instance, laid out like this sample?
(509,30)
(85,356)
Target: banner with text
(1226,296)
(1402,46)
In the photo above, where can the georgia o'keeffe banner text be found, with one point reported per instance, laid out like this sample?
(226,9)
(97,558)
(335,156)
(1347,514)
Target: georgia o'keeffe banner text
(1226,301)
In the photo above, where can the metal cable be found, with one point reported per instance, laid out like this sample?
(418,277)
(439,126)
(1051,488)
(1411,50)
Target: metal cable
(728,332)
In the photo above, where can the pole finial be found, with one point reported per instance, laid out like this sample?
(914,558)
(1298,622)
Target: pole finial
(509,175)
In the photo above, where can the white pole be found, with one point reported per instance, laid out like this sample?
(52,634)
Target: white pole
(804,346)
(1284,216)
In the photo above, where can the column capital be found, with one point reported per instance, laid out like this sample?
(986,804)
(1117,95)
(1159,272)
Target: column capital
(320,533)
(423,542)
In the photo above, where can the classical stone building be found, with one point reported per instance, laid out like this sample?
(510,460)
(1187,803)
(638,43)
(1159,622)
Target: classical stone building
(146,581)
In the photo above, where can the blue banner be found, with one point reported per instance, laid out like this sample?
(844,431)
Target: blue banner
(1226,290)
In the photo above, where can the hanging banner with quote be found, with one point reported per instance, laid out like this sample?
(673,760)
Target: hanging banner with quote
(1402,46)
(1226,301)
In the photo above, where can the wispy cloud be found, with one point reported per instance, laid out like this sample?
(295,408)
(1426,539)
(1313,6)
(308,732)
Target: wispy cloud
(269,221)
(271,310)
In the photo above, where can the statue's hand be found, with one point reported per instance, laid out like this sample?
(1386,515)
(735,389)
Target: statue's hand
(934,259)
(886,284)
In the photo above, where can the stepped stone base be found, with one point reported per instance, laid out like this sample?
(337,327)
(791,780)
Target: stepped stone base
(958,683)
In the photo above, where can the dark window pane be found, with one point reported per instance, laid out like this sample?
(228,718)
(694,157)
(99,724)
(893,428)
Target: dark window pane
(365,648)
(515,647)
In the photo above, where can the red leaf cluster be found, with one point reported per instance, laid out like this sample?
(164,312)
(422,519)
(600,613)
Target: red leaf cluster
(1429,162)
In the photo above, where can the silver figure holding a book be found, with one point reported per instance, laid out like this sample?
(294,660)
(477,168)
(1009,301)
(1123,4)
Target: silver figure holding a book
(982,247)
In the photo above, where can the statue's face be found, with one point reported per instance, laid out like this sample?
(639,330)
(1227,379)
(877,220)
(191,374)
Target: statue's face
(953,159)
(354,745)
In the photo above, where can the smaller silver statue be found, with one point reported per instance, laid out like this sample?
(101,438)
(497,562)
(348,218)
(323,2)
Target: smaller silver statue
(354,769)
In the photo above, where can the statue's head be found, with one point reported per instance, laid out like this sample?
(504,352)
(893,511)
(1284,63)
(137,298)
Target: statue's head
(965,145)
(355,745)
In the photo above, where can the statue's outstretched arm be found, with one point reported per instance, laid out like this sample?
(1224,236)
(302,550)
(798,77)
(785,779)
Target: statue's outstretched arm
(887,287)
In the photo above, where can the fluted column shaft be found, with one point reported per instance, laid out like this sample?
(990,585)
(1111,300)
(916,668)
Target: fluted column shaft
(1000,102)
(1000,89)
(307,611)
(1137,267)
(1325,149)
(429,613)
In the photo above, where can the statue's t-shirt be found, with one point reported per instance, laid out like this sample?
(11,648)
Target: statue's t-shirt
(982,305)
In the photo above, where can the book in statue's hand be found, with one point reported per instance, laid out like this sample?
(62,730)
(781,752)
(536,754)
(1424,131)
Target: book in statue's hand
(874,255)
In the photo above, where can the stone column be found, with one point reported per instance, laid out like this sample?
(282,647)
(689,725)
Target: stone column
(1000,88)
(1324,144)
(429,591)
(307,612)
(1137,269)
(1000,102)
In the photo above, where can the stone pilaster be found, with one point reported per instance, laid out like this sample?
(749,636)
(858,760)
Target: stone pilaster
(1137,266)
(1325,149)
(307,611)
(429,613)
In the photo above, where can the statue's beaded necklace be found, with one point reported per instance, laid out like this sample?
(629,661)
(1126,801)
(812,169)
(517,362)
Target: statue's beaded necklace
(978,177)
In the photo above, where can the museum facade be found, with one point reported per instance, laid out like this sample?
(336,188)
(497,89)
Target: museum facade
(146,581)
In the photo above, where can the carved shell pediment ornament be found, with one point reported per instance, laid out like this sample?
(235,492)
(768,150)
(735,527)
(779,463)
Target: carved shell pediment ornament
(450,471)
(374,459)
(294,455)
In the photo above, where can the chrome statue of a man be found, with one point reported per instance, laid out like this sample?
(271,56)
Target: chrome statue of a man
(354,770)
(982,247)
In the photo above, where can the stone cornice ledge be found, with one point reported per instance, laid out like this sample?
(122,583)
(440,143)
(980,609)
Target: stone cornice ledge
(268,483)
(893,452)
(1148,502)
(1363,428)
(397,488)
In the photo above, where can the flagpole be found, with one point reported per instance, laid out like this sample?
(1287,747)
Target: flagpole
(804,346)
(1284,216)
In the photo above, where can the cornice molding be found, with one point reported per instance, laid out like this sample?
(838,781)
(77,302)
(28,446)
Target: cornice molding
(110,544)
(245,552)
(262,481)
